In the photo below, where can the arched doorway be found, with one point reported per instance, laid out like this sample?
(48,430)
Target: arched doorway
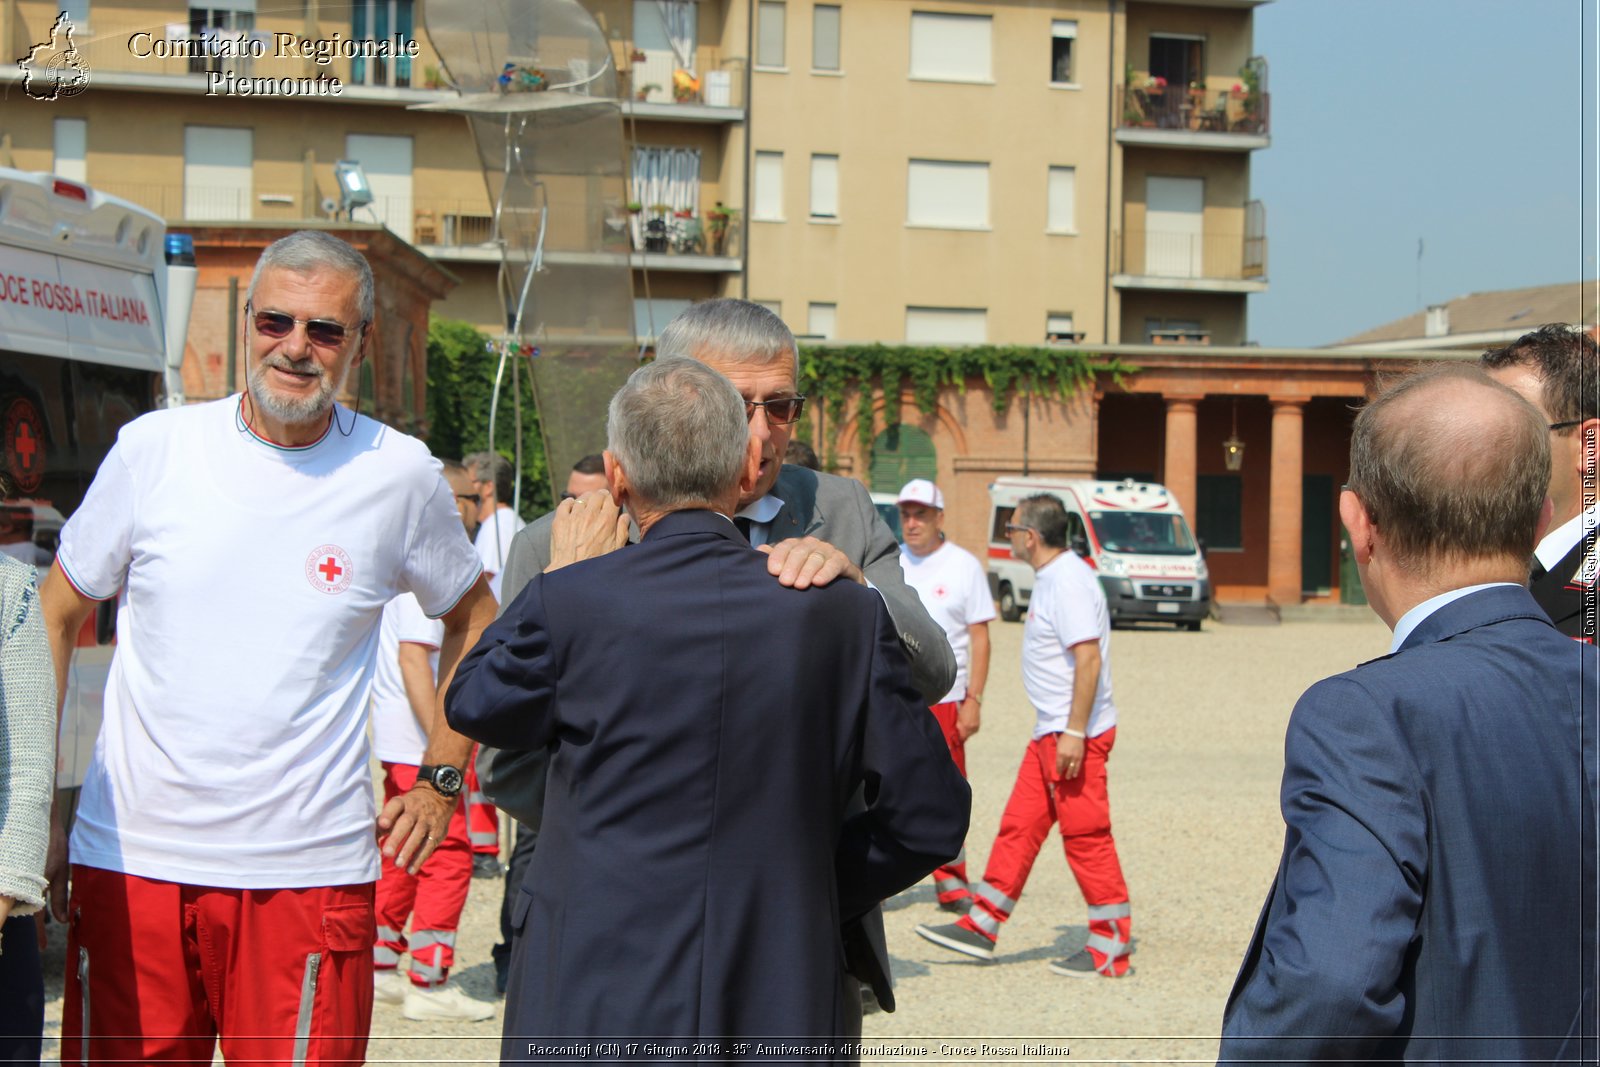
(900,454)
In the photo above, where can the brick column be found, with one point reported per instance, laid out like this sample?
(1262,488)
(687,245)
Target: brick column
(1284,507)
(1178,471)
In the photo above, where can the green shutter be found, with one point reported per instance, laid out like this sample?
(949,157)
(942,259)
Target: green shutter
(900,454)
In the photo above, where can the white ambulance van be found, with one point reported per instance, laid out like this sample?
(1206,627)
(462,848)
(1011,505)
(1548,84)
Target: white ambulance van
(92,327)
(1132,533)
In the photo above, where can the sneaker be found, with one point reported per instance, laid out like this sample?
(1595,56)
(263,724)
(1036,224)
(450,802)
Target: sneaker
(1081,965)
(957,905)
(959,938)
(485,865)
(389,986)
(444,1002)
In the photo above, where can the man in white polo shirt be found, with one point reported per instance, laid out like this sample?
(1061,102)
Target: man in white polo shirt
(1066,669)
(951,584)
(223,855)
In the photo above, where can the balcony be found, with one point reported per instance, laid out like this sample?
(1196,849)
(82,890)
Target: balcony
(1215,120)
(1194,260)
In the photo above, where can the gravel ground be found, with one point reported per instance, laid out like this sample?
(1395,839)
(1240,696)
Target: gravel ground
(1194,782)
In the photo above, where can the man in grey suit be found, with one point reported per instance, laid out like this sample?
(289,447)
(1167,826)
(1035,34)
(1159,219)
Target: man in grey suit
(816,527)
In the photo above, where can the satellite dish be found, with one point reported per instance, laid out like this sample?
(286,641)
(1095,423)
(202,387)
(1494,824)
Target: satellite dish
(330,207)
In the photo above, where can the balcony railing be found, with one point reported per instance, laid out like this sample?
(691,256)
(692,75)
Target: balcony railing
(1206,256)
(1196,110)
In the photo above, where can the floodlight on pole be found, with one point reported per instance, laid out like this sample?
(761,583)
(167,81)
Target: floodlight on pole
(354,189)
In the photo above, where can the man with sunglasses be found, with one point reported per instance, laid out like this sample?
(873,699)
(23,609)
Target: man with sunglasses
(223,851)
(1556,368)
(817,528)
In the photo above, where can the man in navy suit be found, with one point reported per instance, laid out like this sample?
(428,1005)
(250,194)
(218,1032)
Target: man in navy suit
(1556,368)
(709,727)
(1435,901)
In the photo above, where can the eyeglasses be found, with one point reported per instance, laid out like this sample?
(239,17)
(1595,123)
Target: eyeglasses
(323,332)
(472,498)
(782,411)
(1569,424)
(1012,528)
(568,496)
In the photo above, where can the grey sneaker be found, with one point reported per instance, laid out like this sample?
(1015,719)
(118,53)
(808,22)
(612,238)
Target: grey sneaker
(958,938)
(389,986)
(1081,965)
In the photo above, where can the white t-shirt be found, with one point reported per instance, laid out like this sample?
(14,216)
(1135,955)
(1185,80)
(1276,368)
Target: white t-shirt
(1067,608)
(397,736)
(250,579)
(951,584)
(494,545)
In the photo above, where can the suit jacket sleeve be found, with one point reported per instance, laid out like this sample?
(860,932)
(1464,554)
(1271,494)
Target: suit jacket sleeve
(1329,947)
(918,803)
(503,693)
(933,664)
(528,557)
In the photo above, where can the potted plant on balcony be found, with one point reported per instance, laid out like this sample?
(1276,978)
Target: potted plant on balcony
(717,220)
(655,228)
(642,93)
(685,87)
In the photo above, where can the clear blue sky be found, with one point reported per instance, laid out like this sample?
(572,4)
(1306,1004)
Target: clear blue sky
(1467,123)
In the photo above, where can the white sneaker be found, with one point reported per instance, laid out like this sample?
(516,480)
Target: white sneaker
(444,1002)
(389,987)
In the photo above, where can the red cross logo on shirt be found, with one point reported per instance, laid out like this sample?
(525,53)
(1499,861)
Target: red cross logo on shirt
(23,436)
(328,569)
(941,591)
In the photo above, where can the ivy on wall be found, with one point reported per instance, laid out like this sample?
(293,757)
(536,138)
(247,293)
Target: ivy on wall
(832,372)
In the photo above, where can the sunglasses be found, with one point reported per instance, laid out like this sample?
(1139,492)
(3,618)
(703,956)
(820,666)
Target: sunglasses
(1012,528)
(323,332)
(782,411)
(472,498)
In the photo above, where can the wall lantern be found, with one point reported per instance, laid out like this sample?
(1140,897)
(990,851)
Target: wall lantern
(1233,448)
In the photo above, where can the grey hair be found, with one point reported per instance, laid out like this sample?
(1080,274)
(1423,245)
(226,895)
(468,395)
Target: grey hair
(731,331)
(493,468)
(308,251)
(1445,488)
(679,431)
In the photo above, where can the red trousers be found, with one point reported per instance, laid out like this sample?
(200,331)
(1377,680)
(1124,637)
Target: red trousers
(432,898)
(156,971)
(950,879)
(1081,806)
(483,818)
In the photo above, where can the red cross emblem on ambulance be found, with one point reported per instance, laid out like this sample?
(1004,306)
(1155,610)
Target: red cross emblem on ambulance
(328,569)
(23,435)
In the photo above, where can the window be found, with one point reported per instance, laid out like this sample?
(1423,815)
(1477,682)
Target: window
(72,149)
(1177,57)
(956,326)
(1219,508)
(387,163)
(77,12)
(379,20)
(824,187)
(1062,33)
(825,37)
(1062,212)
(820,320)
(1058,328)
(951,48)
(769,33)
(768,187)
(221,19)
(900,454)
(216,172)
(650,316)
(948,195)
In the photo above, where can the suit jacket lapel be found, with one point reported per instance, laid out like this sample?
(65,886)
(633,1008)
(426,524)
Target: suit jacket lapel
(797,488)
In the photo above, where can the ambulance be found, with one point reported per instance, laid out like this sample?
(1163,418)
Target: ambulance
(93,319)
(1132,533)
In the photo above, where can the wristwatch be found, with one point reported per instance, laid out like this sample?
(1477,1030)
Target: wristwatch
(445,779)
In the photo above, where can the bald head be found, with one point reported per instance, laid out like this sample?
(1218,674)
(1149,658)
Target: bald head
(1451,467)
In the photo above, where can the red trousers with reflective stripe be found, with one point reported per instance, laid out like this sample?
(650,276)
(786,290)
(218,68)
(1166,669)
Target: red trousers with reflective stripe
(483,818)
(156,971)
(945,716)
(1081,806)
(432,898)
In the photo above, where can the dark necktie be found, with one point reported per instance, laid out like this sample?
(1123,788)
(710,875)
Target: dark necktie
(743,524)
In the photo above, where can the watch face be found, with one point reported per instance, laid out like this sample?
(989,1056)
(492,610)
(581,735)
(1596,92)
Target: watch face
(447,780)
